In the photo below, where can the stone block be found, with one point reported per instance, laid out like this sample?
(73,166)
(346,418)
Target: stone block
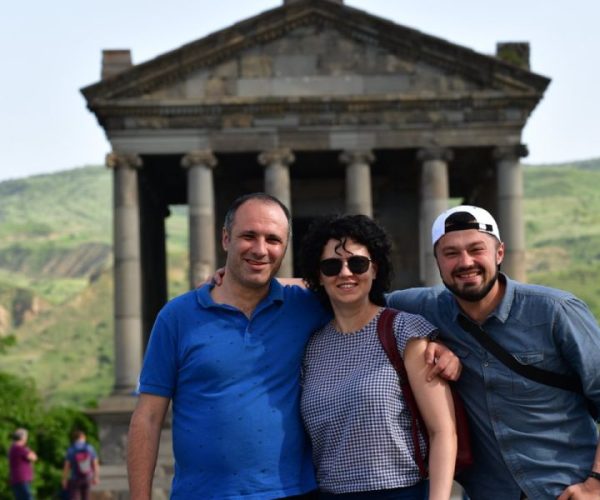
(218,87)
(295,65)
(227,69)
(256,66)
(253,87)
(386,84)
(351,140)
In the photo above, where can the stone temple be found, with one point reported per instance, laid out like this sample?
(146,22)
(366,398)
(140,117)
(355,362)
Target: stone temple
(325,106)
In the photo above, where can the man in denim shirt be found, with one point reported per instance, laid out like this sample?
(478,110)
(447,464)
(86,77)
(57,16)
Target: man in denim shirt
(530,440)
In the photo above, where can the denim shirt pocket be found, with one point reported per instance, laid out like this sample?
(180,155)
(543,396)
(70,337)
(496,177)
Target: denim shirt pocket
(521,384)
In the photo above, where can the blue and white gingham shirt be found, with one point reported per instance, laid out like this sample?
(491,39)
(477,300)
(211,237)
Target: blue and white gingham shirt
(353,409)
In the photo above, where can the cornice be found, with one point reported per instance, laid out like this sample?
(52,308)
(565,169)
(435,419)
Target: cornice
(484,109)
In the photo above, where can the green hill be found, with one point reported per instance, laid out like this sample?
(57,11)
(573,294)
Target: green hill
(56,279)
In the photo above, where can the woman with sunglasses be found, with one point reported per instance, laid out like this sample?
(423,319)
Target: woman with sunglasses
(352,404)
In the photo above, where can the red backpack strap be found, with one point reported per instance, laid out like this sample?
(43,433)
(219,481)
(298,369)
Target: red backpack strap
(385,331)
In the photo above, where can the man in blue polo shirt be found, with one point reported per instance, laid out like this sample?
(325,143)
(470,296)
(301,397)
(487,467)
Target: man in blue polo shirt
(229,359)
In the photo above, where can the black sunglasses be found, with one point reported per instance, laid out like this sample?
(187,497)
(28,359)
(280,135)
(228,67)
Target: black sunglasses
(357,264)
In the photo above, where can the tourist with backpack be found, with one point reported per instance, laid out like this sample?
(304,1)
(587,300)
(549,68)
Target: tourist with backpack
(81,469)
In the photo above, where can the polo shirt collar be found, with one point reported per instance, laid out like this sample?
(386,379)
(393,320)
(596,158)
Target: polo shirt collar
(205,299)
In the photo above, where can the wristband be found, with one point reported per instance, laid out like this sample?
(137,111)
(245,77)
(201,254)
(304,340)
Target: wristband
(594,474)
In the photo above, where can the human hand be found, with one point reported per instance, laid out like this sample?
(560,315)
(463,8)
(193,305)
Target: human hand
(588,490)
(442,361)
(217,278)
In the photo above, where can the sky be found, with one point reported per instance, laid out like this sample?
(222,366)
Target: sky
(50,50)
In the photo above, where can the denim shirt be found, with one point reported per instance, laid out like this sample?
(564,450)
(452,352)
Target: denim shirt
(526,436)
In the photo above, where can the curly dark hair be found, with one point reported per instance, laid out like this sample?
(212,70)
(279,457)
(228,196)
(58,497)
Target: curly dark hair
(362,230)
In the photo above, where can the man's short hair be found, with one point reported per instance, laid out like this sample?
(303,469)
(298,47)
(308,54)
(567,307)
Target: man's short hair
(230,215)
(19,434)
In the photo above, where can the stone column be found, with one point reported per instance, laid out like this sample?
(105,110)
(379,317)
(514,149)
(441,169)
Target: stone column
(510,208)
(433,200)
(201,206)
(359,198)
(277,183)
(127,270)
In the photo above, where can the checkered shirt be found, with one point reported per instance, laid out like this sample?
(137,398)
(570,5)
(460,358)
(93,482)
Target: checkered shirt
(353,408)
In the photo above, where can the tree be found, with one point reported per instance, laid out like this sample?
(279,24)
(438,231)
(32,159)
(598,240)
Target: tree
(49,432)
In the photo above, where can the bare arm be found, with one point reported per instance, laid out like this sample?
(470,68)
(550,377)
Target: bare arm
(142,444)
(435,404)
(65,474)
(589,489)
(96,466)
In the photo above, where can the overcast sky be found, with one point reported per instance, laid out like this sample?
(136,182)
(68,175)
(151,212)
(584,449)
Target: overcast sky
(49,50)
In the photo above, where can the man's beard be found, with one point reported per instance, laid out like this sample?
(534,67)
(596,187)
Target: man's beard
(472,294)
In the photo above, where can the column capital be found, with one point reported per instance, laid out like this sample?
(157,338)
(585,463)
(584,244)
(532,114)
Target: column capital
(352,156)
(204,157)
(282,156)
(115,160)
(512,152)
(435,153)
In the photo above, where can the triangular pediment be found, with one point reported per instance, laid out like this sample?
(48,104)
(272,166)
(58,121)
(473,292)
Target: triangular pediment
(314,49)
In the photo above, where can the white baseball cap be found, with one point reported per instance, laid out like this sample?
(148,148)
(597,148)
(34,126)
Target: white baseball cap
(461,218)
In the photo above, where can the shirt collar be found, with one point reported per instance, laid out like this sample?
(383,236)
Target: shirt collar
(502,310)
(205,299)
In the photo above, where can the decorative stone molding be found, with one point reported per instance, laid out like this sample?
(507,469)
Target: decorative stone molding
(116,160)
(510,153)
(352,157)
(280,156)
(435,153)
(204,157)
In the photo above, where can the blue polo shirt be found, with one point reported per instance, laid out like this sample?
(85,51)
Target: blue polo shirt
(234,383)
(526,436)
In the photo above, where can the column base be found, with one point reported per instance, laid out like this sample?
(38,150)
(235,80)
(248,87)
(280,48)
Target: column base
(112,417)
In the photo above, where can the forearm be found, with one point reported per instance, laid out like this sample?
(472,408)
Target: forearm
(96,478)
(142,451)
(434,400)
(442,456)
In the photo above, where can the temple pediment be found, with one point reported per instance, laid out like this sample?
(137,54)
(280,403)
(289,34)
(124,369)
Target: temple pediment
(314,49)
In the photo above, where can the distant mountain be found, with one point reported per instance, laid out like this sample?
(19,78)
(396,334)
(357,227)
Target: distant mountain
(56,258)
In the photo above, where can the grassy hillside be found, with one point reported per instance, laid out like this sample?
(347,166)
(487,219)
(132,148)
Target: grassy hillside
(562,203)
(56,281)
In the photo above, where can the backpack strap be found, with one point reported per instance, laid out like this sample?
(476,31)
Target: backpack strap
(566,382)
(539,375)
(385,331)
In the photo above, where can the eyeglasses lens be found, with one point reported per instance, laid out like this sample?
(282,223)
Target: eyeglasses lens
(357,265)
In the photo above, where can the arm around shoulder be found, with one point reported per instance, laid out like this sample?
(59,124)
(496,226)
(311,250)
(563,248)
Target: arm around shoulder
(142,444)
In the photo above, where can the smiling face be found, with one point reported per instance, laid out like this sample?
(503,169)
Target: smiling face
(469,262)
(347,287)
(256,244)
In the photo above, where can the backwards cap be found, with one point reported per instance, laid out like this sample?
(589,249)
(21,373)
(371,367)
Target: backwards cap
(461,218)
